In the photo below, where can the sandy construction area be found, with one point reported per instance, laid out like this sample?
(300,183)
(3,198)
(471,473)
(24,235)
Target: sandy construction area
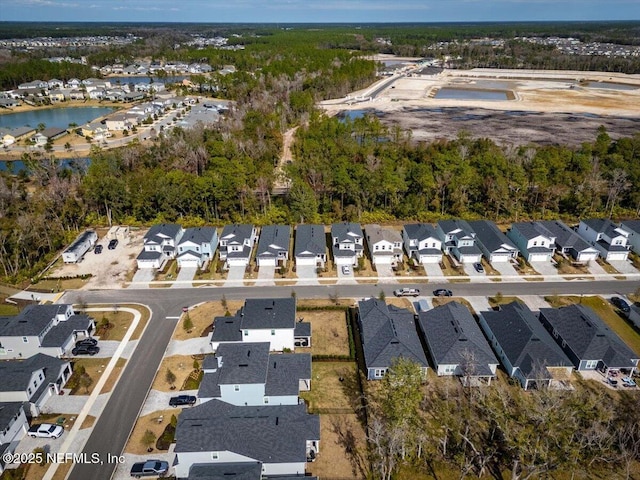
(537,106)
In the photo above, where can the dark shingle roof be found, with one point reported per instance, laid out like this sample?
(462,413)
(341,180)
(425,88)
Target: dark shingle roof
(271,434)
(79,242)
(302,329)
(243,363)
(523,339)
(266,313)
(227,329)
(565,237)
(453,335)
(346,232)
(149,255)
(420,231)
(157,233)
(198,235)
(60,334)
(633,225)
(8,410)
(588,336)
(32,320)
(237,232)
(16,374)
(531,230)
(226,471)
(285,371)
(388,332)
(310,241)
(273,239)
(489,235)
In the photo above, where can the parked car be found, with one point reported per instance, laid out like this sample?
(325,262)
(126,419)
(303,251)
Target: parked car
(85,350)
(182,400)
(406,292)
(45,430)
(98,249)
(346,270)
(612,381)
(89,341)
(628,382)
(479,268)
(150,468)
(113,244)
(442,292)
(621,304)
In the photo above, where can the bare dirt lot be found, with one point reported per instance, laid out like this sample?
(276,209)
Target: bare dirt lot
(538,107)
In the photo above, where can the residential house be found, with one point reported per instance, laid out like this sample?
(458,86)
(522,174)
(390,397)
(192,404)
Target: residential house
(133,96)
(96,131)
(421,243)
(74,83)
(236,244)
(197,246)
(49,135)
(347,243)
(81,245)
(159,245)
(12,135)
(385,245)
(9,102)
(119,122)
(13,427)
(57,96)
(55,83)
(247,374)
(236,471)
(524,347)
(310,245)
(632,227)
(609,239)
(270,320)
(76,94)
(459,239)
(588,342)
(387,333)
(568,242)
(456,344)
(495,245)
(283,438)
(33,381)
(35,84)
(96,93)
(273,246)
(50,329)
(535,242)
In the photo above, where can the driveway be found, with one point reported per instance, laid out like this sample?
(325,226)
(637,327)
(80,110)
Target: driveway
(433,269)
(142,278)
(479,304)
(534,302)
(595,268)
(624,266)
(507,271)
(348,279)
(185,275)
(307,275)
(157,400)
(193,346)
(546,269)
(235,275)
(123,470)
(265,275)
(474,276)
(385,273)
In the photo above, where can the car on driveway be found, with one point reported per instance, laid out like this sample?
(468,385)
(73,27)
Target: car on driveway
(479,268)
(346,270)
(149,468)
(621,304)
(406,292)
(113,244)
(612,381)
(45,430)
(628,382)
(442,292)
(85,350)
(89,341)
(98,249)
(182,400)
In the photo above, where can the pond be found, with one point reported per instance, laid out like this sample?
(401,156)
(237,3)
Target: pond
(54,117)
(352,114)
(611,86)
(17,166)
(448,93)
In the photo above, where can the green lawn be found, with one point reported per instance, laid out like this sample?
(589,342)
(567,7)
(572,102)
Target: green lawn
(328,391)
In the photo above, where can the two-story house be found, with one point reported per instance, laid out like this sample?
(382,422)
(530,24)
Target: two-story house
(385,245)
(247,374)
(197,246)
(459,239)
(609,239)
(49,329)
(569,243)
(495,245)
(347,243)
(632,227)
(236,244)
(421,243)
(13,427)
(273,245)
(159,245)
(310,245)
(535,242)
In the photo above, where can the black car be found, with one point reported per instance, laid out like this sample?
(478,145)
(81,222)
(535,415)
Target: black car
(621,304)
(182,400)
(98,249)
(85,350)
(479,268)
(89,341)
(442,292)
(113,244)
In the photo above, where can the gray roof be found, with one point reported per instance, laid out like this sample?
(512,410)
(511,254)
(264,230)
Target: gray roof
(284,372)
(83,237)
(388,332)
(565,237)
(53,131)
(302,329)
(149,255)
(310,241)
(271,434)
(452,225)
(633,225)
(273,240)
(236,233)
(158,233)
(376,233)
(588,336)
(16,374)
(32,320)
(227,329)
(60,334)
(198,235)
(420,231)
(8,410)
(524,341)
(489,235)
(345,232)
(243,363)
(210,384)
(602,225)
(267,313)
(531,230)
(226,471)
(454,338)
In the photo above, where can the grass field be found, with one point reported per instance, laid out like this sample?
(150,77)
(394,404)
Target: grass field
(328,391)
(329,332)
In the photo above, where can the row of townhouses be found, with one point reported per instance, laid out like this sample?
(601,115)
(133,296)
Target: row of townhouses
(466,241)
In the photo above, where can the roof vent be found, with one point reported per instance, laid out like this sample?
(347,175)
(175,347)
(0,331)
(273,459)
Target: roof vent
(243,365)
(277,420)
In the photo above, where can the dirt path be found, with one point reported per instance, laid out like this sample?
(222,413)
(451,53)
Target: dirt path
(282,181)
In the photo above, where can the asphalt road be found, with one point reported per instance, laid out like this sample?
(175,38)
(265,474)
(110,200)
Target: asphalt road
(112,430)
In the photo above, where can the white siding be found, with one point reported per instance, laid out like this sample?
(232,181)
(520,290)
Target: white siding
(280,339)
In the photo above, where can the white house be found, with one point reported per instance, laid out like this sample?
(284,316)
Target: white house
(535,242)
(494,244)
(197,246)
(421,243)
(570,243)
(385,245)
(160,244)
(603,234)
(632,227)
(273,246)
(347,243)
(310,245)
(80,246)
(459,239)
(236,244)
(13,427)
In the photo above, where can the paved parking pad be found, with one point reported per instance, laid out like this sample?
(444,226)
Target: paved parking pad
(624,266)
(185,276)
(547,269)
(307,275)
(346,279)
(192,346)
(473,274)
(433,269)
(507,271)
(142,278)
(266,274)
(385,273)
(235,275)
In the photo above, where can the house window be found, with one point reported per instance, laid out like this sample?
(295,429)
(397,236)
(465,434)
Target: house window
(236,388)
(29,391)
(214,456)
(25,339)
(591,364)
(379,372)
(273,332)
(266,400)
(35,384)
(535,242)
(448,369)
(246,333)
(376,247)
(40,376)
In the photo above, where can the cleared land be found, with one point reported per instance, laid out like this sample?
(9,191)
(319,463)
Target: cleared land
(329,332)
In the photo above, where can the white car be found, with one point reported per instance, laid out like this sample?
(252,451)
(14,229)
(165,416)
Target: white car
(406,292)
(45,430)
(346,270)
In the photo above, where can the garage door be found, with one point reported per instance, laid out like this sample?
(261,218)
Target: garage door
(500,258)
(539,257)
(431,258)
(470,259)
(616,256)
(237,262)
(383,259)
(266,262)
(344,261)
(305,261)
(191,263)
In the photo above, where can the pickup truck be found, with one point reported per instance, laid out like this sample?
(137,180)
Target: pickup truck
(45,430)
(181,400)
(150,468)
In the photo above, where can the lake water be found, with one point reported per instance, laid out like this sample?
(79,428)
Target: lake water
(144,79)
(611,86)
(17,166)
(470,94)
(54,117)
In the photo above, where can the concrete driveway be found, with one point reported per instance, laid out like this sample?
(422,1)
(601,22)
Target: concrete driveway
(479,304)
(433,269)
(307,275)
(385,273)
(348,279)
(534,302)
(157,400)
(506,270)
(546,269)
(142,278)
(192,346)
(624,266)
(185,275)
(473,274)
(595,268)
(265,275)
(235,275)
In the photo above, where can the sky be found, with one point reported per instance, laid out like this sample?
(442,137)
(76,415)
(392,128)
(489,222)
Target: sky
(317,11)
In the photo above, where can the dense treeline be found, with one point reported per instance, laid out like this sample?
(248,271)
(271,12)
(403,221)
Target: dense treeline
(499,431)
(13,74)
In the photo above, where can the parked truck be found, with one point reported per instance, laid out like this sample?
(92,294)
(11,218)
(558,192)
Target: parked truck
(150,468)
